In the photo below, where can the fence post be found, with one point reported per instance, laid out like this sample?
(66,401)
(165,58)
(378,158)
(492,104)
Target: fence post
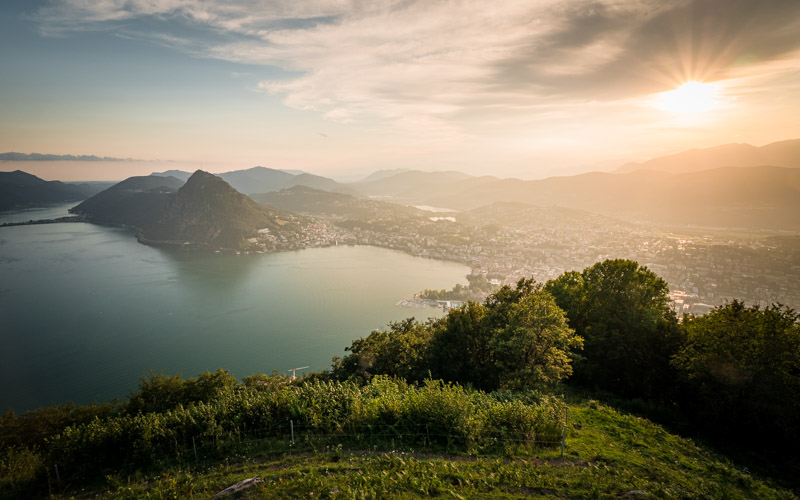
(58,476)
(564,431)
(291,426)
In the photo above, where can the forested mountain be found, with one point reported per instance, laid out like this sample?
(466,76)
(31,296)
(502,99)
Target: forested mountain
(205,210)
(136,201)
(20,189)
(208,211)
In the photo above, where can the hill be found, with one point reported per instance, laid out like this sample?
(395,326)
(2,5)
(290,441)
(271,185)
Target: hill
(382,174)
(19,189)
(136,201)
(311,201)
(741,197)
(263,180)
(208,211)
(778,154)
(385,439)
(608,454)
(409,185)
(205,210)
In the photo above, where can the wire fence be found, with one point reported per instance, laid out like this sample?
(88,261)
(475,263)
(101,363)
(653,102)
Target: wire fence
(293,437)
(241,441)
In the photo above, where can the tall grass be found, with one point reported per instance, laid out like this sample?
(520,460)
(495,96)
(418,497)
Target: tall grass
(377,415)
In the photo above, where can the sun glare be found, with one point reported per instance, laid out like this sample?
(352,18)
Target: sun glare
(691,97)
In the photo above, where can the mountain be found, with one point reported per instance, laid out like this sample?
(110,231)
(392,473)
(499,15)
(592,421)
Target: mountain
(382,174)
(410,185)
(742,197)
(136,201)
(11,156)
(777,154)
(178,174)
(306,200)
(264,180)
(208,211)
(20,189)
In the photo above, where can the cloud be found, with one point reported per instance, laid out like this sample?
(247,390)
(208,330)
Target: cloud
(426,65)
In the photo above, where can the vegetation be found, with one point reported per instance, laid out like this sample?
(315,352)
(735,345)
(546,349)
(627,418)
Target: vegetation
(741,370)
(622,311)
(608,454)
(477,289)
(733,374)
(518,338)
(130,438)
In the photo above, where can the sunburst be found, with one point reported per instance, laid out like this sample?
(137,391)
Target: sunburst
(691,97)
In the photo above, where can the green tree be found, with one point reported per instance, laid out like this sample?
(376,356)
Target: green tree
(743,367)
(399,351)
(158,392)
(534,349)
(460,349)
(622,312)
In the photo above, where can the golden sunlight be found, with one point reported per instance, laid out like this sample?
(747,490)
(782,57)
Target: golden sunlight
(691,97)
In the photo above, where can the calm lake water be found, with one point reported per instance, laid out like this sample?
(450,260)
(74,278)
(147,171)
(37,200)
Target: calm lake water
(85,310)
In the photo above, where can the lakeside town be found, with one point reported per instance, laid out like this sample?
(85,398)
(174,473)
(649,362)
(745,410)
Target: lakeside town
(505,242)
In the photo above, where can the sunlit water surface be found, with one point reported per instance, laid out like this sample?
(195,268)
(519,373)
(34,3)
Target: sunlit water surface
(85,310)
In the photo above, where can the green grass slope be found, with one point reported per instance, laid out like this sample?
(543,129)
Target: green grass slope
(608,455)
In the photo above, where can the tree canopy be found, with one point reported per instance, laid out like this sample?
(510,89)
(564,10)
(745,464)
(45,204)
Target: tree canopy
(742,365)
(622,312)
(518,338)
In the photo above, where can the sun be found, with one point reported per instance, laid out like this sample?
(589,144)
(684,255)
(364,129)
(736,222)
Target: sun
(691,97)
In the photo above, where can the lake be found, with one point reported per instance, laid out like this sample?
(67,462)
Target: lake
(85,310)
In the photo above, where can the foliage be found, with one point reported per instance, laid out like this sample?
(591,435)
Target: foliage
(31,429)
(398,352)
(158,392)
(621,310)
(608,455)
(534,348)
(436,413)
(477,289)
(742,365)
(460,348)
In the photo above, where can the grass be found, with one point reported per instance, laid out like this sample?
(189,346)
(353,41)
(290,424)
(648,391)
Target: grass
(608,455)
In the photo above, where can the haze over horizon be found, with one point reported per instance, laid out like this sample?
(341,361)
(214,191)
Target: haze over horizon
(341,88)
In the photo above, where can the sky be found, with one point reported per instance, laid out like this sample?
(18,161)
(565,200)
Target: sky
(342,88)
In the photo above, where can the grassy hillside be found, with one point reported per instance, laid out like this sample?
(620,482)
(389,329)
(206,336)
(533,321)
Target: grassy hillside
(385,439)
(607,455)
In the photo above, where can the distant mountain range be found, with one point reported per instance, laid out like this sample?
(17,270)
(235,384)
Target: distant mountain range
(19,189)
(205,210)
(741,197)
(11,156)
(778,154)
(264,180)
(733,186)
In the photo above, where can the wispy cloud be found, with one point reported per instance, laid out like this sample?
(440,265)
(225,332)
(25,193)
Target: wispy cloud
(428,65)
